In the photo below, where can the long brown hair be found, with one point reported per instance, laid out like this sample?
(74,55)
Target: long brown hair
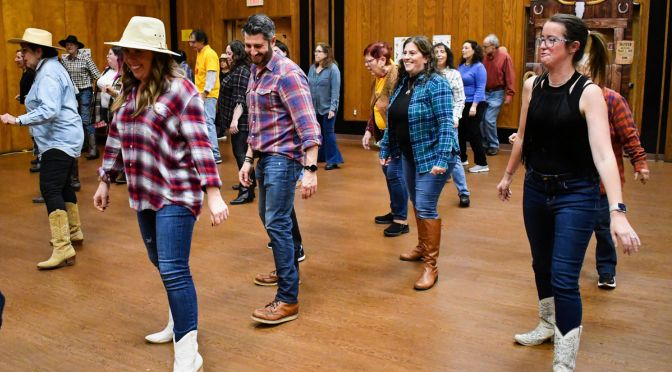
(163,70)
(329,51)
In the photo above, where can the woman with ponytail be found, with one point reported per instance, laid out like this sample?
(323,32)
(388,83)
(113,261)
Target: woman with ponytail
(564,143)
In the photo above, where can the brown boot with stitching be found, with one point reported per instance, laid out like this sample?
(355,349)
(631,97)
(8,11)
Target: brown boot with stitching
(276,312)
(432,238)
(416,253)
(63,254)
(74,223)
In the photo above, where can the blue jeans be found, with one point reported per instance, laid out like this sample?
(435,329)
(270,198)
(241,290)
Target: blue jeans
(276,177)
(425,189)
(559,219)
(394,178)
(210,113)
(84,98)
(167,236)
(329,151)
(460,180)
(605,250)
(495,99)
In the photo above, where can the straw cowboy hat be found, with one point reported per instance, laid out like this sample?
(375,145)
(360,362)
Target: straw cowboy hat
(144,33)
(37,37)
(71,39)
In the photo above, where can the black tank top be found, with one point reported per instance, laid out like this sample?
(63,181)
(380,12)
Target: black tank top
(556,133)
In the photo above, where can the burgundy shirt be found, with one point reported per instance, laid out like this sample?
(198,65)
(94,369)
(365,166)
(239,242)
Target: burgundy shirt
(499,68)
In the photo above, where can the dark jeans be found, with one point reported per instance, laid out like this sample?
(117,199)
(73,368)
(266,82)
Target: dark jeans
(167,237)
(470,130)
(559,219)
(296,233)
(277,176)
(425,189)
(329,151)
(239,148)
(84,99)
(55,172)
(605,250)
(396,187)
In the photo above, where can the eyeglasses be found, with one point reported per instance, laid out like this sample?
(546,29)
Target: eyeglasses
(369,61)
(550,41)
(319,51)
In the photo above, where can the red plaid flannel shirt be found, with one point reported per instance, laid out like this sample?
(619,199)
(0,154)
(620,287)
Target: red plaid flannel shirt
(166,153)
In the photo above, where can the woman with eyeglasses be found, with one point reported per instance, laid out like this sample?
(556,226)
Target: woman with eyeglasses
(564,143)
(324,79)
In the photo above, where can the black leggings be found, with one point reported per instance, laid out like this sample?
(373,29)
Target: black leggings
(55,173)
(239,147)
(470,130)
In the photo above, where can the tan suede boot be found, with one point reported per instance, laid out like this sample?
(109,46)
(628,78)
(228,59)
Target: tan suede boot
(76,235)
(432,237)
(415,254)
(63,254)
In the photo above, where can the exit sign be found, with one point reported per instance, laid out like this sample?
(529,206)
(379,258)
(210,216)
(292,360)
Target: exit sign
(255,2)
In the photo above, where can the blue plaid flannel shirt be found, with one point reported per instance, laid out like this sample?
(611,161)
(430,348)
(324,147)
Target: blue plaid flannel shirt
(430,122)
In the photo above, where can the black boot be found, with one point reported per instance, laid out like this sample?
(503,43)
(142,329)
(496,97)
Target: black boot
(35,168)
(93,150)
(74,178)
(245,195)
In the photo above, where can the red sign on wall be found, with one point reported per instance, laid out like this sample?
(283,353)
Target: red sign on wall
(255,3)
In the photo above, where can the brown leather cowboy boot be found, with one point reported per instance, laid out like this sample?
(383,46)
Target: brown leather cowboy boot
(432,238)
(415,254)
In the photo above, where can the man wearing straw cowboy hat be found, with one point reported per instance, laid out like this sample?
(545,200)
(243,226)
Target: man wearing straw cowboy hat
(56,127)
(159,127)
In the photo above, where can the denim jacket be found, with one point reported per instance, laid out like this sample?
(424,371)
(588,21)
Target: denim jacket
(430,122)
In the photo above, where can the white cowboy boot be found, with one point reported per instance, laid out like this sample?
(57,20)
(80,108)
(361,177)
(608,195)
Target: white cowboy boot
(187,358)
(566,349)
(544,330)
(165,335)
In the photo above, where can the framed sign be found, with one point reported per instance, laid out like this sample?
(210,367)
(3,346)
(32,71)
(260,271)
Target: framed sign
(251,3)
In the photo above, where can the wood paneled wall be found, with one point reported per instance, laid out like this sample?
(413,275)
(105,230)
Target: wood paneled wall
(92,21)
(210,15)
(368,21)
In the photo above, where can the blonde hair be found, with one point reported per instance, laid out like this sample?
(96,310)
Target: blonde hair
(163,70)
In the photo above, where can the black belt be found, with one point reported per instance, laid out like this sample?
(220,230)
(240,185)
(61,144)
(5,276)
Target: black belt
(553,177)
(495,89)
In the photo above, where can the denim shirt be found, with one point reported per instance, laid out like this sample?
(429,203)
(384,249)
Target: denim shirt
(52,110)
(325,88)
(430,122)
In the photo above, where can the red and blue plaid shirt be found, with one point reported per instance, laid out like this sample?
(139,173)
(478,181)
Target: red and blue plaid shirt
(280,110)
(624,134)
(166,153)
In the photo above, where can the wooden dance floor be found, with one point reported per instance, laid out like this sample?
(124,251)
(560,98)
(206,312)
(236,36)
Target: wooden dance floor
(359,311)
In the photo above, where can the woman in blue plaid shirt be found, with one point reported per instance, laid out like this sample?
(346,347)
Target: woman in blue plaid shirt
(420,128)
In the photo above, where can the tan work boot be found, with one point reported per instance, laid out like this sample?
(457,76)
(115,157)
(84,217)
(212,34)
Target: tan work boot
(276,312)
(74,223)
(266,280)
(431,235)
(415,254)
(63,254)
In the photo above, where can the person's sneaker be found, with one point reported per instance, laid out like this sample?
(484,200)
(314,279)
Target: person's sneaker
(479,169)
(266,280)
(38,199)
(396,229)
(218,161)
(302,254)
(606,281)
(276,312)
(464,201)
(269,245)
(384,220)
(492,151)
(465,163)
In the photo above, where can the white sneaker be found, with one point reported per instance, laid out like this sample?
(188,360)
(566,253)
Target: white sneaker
(479,169)
(465,163)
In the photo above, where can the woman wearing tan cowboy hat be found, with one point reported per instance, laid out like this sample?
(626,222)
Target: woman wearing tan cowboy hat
(159,128)
(56,127)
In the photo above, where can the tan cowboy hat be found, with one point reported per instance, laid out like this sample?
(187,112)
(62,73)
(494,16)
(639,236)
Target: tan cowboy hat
(144,33)
(37,37)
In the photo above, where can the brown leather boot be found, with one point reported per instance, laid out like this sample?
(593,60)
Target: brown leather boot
(432,238)
(276,312)
(415,254)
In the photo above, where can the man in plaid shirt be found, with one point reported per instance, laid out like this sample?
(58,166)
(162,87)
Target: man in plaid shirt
(284,137)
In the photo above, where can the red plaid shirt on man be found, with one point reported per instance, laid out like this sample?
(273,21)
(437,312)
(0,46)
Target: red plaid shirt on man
(624,134)
(280,110)
(166,152)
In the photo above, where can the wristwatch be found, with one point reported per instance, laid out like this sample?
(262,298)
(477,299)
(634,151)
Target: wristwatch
(311,168)
(619,207)
(18,122)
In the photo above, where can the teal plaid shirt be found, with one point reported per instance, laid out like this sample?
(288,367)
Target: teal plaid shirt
(430,122)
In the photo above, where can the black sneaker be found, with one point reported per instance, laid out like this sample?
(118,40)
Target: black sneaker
(396,229)
(606,281)
(302,254)
(269,245)
(384,220)
(464,201)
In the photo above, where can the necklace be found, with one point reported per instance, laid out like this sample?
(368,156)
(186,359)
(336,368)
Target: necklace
(411,85)
(560,84)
